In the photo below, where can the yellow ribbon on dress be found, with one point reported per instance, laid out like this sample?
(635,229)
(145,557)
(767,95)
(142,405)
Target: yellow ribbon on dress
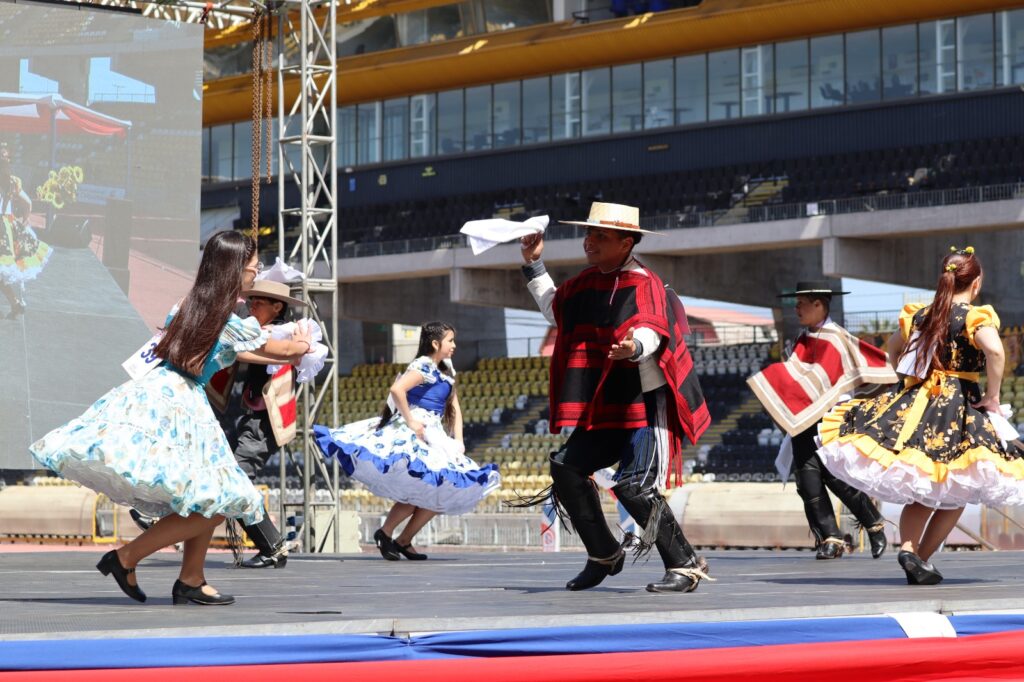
(927,390)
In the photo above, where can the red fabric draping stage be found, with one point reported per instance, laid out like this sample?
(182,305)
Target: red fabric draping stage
(998,656)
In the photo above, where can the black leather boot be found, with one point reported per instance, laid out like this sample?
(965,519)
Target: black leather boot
(268,540)
(578,496)
(831,548)
(876,538)
(683,568)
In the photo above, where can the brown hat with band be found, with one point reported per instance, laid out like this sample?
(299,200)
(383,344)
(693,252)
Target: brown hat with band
(276,291)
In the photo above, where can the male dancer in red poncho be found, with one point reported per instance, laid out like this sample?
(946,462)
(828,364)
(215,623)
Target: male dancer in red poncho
(621,375)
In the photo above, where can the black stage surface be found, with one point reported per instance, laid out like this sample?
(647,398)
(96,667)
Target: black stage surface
(59,595)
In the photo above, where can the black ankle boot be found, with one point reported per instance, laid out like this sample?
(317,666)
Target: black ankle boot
(183,593)
(596,571)
(831,548)
(876,538)
(658,527)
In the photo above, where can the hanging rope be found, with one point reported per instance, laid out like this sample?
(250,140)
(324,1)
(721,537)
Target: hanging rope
(262,91)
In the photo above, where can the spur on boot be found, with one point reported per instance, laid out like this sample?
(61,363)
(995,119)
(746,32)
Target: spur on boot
(183,593)
(831,548)
(877,540)
(110,564)
(406,551)
(682,579)
(388,548)
(919,571)
(275,560)
(596,571)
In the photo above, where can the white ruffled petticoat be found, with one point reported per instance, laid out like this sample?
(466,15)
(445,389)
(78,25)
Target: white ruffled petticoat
(392,462)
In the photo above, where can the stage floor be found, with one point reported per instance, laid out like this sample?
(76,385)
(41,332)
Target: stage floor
(60,595)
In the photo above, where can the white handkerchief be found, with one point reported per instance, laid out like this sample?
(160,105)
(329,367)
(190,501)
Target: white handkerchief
(311,362)
(281,272)
(1004,429)
(486,234)
(784,460)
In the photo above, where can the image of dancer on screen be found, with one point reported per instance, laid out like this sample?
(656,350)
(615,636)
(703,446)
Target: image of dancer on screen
(827,363)
(623,378)
(22,254)
(935,442)
(153,443)
(414,452)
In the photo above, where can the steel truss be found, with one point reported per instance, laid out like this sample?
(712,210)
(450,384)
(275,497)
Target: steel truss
(307,158)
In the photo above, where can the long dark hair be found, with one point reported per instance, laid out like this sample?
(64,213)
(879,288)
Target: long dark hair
(429,333)
(959,270)
(208,304)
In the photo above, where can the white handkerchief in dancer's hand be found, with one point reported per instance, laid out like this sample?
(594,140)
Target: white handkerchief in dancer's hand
(281,272)
(485,234)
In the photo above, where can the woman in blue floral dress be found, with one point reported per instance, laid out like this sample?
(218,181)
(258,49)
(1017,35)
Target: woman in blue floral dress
(153,443)
(414,453)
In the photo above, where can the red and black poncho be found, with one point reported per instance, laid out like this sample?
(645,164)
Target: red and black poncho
(591,391)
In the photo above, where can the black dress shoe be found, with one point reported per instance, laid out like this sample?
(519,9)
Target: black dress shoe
(596,571)
(388,547)
(919,571)
(110,564)
(264,561)
(831,548)
(407,552)
(143,522)
(879,543)
(183,594)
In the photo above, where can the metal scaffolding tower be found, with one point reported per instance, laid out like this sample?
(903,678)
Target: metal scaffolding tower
(307,166)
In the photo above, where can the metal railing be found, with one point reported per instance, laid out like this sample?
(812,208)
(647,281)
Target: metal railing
(756,214)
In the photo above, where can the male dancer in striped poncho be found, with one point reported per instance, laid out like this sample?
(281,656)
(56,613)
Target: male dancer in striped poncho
(827,363)
(621,375)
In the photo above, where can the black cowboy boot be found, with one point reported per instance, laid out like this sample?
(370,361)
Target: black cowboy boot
(683,568)
(268,540)
(578,496)
(876,538)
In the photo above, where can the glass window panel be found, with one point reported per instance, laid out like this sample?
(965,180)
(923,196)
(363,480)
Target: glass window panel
(449,122)
(827,87)
(975,52)
(205,163)
(368,149)
(757,80)
(501,15)
(242,166)
(227,60)
(507,127)
(938,57)
(596,102)
(422,125)
(435,24)
(863,67)
(1010,47)
(691,89)
(368,35)
(396,129)
(221,143)
(658,93)
(565,106)
(536,110)
(478,118)
(723,85)
(347,132)
(792,76)
(627,98)
(899,61)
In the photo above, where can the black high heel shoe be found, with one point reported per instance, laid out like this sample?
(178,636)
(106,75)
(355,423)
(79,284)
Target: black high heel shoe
(919,572)
(407,552)
(389,549)
(183,593)
(111,564)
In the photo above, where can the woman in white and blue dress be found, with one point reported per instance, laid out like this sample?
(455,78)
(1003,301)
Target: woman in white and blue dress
(414,453)
(154,444)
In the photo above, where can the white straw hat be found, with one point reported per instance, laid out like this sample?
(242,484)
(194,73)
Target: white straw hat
(612,217)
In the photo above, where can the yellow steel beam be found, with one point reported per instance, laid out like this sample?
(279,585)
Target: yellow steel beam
(551,48)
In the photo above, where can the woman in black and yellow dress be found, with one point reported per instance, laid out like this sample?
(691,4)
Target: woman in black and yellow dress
(929,443)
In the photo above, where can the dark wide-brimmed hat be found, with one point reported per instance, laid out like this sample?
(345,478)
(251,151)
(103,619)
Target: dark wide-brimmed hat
(813,287)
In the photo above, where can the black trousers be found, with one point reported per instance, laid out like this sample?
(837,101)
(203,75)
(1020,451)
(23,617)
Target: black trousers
(635,453)
(256,444)
(812,479)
